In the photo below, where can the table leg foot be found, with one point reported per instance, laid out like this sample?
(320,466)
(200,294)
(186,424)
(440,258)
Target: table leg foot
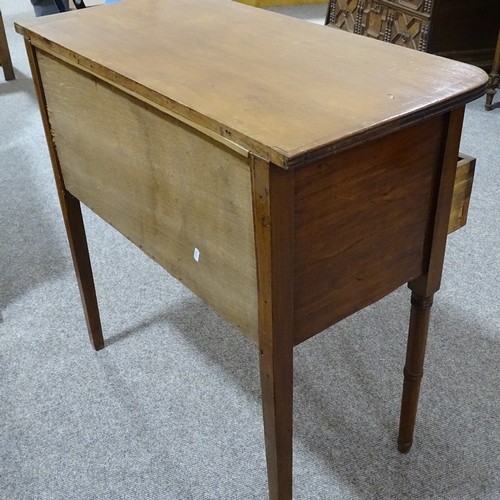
(490,93)
(413,371)
(404,447)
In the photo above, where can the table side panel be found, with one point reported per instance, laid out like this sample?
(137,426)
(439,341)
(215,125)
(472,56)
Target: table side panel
(165,186)
(363,224)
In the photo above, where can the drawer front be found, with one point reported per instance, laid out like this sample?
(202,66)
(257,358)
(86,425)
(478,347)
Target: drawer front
(375,19)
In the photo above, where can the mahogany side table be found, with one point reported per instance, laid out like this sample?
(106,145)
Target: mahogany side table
(288,174)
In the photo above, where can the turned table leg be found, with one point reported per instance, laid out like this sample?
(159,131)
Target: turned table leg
(413,370)
(424,287)
(494,80)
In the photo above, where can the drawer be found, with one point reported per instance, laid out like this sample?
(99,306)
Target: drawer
(461,192)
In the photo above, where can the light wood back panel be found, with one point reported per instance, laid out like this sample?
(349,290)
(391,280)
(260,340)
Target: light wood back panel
(162,184)
(286,89)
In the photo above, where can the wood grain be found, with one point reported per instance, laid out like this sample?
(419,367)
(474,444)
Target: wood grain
(429,282)
(243,73)
(165,186)
(350,210)
(273,195)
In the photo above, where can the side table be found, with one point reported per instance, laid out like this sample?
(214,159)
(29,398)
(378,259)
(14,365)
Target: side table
(287,184)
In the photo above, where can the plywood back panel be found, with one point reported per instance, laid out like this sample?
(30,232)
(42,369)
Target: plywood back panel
(183,198)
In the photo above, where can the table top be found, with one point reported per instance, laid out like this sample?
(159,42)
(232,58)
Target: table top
(286,89)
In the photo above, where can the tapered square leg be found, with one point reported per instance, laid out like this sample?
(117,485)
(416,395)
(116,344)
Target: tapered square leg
(73,220)
(273,222)
(83,269)
(276,372)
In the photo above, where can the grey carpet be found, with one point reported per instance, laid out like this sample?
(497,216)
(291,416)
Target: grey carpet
(170,409)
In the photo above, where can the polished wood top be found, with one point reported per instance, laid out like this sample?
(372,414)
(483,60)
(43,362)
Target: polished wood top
(288,90)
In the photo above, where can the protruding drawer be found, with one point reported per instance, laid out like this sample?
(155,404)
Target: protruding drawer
(461,192)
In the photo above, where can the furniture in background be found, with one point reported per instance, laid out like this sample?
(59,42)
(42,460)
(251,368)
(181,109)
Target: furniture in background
(494,79)
(285,210)
(464,30)
(5,60)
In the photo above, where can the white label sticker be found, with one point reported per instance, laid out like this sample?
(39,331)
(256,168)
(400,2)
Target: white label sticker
(196,255)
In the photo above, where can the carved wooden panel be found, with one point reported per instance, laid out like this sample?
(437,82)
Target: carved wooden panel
(406,30)
(346,14)
(375,19)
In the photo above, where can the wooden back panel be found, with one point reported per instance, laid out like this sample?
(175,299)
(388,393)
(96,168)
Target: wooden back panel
(165,186)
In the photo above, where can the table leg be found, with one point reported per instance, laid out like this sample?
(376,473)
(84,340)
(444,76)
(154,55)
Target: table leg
(273,192)
(413,370)
(73,220)
(276,375)
(83,269)
(424,287)
(494,79)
